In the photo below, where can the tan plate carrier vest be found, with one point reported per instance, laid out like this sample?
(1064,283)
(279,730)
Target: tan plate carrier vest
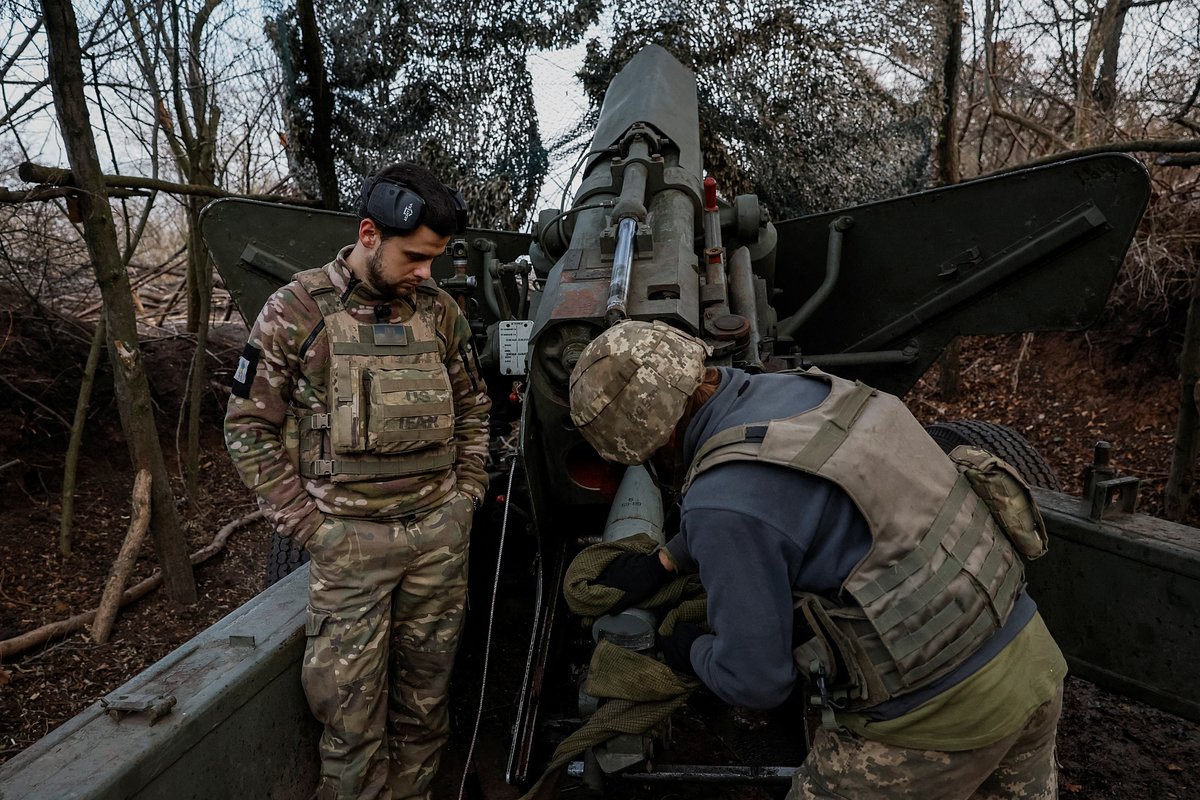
(940,577)
(389,402)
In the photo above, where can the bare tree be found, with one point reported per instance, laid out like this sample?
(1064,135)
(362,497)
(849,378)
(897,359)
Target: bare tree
(180,62)
(1072,79)
(318,145)
(950,363)
(133,391)
(1181,477)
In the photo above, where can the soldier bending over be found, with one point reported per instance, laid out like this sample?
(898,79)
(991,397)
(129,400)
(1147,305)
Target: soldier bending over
(837,543)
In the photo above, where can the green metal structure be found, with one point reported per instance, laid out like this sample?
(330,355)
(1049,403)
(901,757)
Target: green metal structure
(220,717)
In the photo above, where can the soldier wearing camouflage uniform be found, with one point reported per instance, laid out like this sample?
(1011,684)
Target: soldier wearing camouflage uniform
(359,417)
(840,546)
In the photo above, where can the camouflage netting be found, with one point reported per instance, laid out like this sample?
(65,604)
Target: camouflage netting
(812,106)
(445,84)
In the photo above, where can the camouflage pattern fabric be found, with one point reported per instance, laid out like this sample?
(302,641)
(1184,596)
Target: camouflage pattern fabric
(639,691)
(388,573)
(630,385)
(386,600)
(1007,495)
(286,363)
(844,765)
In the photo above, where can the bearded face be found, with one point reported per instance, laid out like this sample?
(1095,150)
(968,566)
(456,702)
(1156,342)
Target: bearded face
(399,263)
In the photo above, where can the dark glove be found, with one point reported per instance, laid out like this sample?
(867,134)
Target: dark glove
(638,575)
(677,646)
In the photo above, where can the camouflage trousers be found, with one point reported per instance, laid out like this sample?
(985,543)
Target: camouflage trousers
(846,766)
(386,604)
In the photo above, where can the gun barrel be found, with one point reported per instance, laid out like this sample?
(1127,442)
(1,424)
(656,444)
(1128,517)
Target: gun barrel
(626,249)
(653,88)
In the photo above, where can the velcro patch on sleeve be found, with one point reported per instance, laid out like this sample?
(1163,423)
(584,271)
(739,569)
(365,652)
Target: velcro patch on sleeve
(243,376)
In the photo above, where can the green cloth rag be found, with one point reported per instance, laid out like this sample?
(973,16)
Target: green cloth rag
(588,599)
(640,692)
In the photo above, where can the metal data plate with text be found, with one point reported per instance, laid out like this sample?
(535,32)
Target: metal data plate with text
(514,345)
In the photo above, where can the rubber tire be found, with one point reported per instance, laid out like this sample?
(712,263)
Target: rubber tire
(999,440)
(286,557)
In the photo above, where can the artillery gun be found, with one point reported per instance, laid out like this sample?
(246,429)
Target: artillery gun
(873,292)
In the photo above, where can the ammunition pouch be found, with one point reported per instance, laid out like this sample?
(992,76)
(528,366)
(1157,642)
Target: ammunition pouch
(409,408)
(388,408)
(830,652)
(843,662)
(1007,496)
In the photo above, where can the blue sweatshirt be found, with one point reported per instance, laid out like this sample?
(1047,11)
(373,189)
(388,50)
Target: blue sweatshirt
(757,531)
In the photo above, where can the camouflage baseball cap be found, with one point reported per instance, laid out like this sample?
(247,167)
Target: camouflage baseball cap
(630,385)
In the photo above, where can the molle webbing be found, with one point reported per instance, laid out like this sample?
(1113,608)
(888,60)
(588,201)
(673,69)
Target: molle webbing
(378,466)
(939,578)
(369,348)
(919,557)
(904,591)
(390,405)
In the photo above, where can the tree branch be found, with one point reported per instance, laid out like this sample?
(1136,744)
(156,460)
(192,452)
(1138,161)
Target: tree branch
(1178,161)
(16,106)
(30,34)
(1026,122)
(38,636)
(139,524)
(1187,106)
(43,193)
(63,181)
(1137,146)
(989,51)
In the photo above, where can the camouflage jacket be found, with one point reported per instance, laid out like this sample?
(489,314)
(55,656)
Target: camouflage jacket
(286,364)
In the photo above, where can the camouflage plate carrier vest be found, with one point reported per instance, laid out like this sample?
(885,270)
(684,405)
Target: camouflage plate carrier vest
(940,577)
(389,402)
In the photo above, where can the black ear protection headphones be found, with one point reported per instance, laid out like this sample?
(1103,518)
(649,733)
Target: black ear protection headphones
(397,205)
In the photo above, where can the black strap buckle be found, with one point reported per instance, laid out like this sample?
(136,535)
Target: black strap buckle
(821,684)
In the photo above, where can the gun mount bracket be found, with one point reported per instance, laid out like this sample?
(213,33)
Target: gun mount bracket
(155,706)
(258,260)
(1114,494)
(967,258)
(658,179)
(640,131)
(643,245)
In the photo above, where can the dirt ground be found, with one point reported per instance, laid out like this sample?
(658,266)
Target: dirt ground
(1062,392)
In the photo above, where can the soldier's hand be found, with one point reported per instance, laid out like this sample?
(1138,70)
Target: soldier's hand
(677,646)
(324,533)
(638,575)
